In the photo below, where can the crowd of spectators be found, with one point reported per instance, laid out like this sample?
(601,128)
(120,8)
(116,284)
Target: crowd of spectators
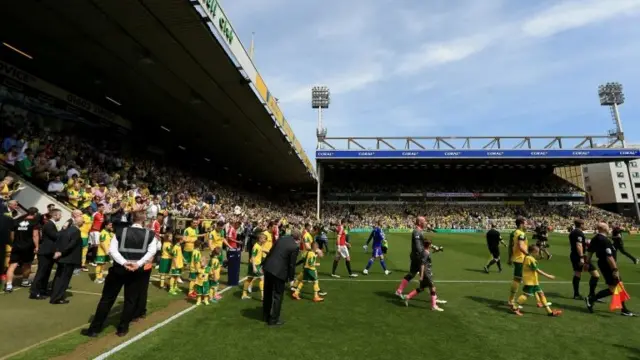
(86,173)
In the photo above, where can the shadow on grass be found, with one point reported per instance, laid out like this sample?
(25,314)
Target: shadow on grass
(394,299)
(111,320)
(253,313)
(475,271)
(635,351)
(497,305)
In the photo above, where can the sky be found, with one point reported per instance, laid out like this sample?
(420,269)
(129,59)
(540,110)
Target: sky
(446,67)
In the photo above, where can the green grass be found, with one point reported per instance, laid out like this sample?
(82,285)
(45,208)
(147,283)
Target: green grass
(362,319)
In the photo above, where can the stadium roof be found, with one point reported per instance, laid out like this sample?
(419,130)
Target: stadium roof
(159,61)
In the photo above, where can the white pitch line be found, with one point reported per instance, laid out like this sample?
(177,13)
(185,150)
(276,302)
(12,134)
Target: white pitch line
(154,328)
(451,281)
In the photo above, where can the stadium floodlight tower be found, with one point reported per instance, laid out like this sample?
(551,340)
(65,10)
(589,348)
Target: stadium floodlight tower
(611,95)
(320,99)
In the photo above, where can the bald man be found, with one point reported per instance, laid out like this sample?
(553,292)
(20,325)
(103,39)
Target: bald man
(606,253)
(417,253)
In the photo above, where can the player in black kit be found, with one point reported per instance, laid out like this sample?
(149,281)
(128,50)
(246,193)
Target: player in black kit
(494,239)
(542,239)
(26,239)
(616,236)
(606,253)
(578,257)
(417,253)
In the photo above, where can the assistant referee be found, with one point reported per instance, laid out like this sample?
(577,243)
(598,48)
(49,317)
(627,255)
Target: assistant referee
(136,247)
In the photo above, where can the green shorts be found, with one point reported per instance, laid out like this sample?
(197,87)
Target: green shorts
(100,260)
(165,266)
(85,242)
(250,272)
(193,275)
(187,256)
(203,290)
(531,289)
(517,270)
(176,272)
(309,275)
(213,283)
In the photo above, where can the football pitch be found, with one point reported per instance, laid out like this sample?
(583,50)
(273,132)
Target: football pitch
(362,318)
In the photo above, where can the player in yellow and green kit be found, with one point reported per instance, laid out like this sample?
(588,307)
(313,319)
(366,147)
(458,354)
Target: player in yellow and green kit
(305,246)
(202,283)
(517,252)
(190,236)
(255,268)
(84,234)
(177,264)
(310,273)
(216,238)
(165,258)
(194,268)
(530,271)
(102,252)
(214,276)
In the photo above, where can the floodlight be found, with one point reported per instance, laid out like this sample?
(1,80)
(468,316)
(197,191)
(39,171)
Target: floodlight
(320,97)
(611,94)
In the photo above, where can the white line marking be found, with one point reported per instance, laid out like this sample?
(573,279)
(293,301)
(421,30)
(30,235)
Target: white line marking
(453,281)
(155,327)
(71,291)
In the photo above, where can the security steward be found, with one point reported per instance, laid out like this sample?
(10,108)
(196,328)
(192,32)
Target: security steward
(130,249)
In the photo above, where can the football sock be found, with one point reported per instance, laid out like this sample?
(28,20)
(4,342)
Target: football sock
(335,266)
(199,300)
(162,279)
(491,262)
(192,285)
(246,285)
(412,294)
(348,263)
(544,301)
(98,272)
(593,283)
(369,264)
(602,294)
(403,284)
(522,299)
(85,250)
(576,285)
(172,283)
(261,287)
(433,301)
(499,265)
(514,290)
(316,288)
(299,288)
(624,307)
(383,264)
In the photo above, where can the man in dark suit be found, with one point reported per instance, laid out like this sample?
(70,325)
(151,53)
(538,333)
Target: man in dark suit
(69,256)
(279,267)
(45,256)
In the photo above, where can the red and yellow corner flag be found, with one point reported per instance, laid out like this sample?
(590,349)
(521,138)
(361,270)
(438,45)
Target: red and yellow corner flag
(619,296)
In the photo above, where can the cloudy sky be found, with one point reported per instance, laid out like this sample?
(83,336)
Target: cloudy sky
(446,67)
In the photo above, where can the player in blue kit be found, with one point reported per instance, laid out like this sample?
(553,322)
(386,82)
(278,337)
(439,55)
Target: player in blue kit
(379,242)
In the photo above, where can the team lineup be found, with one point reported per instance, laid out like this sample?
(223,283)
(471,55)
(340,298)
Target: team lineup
(188,252)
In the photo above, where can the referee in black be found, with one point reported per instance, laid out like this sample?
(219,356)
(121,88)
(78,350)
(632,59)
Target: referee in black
(616,236)
(494,239)
(603,248)
(130,249)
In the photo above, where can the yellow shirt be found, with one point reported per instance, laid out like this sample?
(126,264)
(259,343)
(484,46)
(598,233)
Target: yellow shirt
(166,250)
(530,271)
(105,241)
(518,235)
(195,261)
(215,239)
(310,260)
(190,236)
(256,254)
(86,199)
(266,247)
(203,275)
(86,227)
(178,260)
(307,240)
(214,265)
(73,193)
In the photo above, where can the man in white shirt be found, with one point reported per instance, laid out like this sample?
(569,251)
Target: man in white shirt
(56,186)
(132,250)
